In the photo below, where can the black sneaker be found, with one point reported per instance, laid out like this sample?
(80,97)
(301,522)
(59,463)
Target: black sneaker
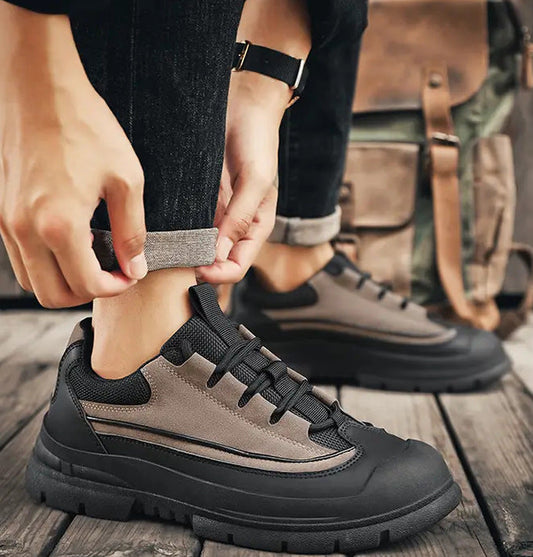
(342,327)
(217,433)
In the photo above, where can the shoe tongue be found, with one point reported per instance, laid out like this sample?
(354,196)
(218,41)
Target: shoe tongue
(209,333)
(339,262)
(204,301)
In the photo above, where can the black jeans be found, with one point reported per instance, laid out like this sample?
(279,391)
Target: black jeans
(163,67)
(314,137)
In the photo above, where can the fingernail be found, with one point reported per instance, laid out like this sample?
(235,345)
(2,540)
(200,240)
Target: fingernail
(138,267)
(225,245)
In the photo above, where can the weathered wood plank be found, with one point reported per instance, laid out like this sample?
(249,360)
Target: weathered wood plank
(25,527)
(28,376)
(464,532)
(89,537)
(520,348)
(18,328)
(495,432)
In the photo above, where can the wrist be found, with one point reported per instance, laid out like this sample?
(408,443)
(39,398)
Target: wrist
(285,27)
(38,56)
(261,91)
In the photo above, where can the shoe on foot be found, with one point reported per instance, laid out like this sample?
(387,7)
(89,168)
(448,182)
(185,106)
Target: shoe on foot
(217,433)
(342,327)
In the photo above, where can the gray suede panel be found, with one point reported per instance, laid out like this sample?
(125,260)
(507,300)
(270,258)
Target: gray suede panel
(295,231)
(181,402)
(344,307)
(164,250)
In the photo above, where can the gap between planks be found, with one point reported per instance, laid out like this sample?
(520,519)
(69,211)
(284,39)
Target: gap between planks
(493,431)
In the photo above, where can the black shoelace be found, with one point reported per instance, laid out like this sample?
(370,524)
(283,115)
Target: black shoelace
(267,376)
(384,288)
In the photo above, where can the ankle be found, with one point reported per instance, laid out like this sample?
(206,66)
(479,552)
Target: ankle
(131,328)
(282,268)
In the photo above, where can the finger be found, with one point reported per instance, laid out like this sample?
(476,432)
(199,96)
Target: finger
(126,214)
(225,192)
(235,267)
(248,193)
(72,248)
(246,250)
(17,264)
(48,283)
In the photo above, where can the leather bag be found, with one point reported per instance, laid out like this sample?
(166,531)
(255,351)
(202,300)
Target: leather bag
(429,193)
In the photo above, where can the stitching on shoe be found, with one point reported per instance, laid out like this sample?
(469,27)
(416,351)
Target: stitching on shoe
(237,414)
(119,409)
(304,475)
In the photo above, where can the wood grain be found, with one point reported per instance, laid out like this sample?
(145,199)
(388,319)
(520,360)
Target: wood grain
(28,375)
(495,432)
(520,348)
(17,329)
(89,537)
(464,531)
(25,527)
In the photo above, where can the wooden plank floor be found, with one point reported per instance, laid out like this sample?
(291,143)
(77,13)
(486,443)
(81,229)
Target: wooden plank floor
(486,438)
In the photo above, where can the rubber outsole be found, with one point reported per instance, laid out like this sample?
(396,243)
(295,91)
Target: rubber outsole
(80,496)
(330,363)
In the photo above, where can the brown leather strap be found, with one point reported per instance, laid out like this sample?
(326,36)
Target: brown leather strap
(512,319)
(444,161)
(347,243)
(527,65)
(518,16)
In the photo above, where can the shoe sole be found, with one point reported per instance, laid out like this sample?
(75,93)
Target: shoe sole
(64,491)
(331,362)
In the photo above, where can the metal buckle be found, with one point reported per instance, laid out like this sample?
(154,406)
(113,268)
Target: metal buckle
(446,139)
(242,56)
(299,75)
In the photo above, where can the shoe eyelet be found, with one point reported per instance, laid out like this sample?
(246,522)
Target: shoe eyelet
(274,419)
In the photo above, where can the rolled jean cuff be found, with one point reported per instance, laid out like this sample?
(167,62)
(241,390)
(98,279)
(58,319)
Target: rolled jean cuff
(163,250)
(295,231)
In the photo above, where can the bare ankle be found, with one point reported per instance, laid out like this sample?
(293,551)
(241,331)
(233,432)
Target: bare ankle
(131,328)
(283,268)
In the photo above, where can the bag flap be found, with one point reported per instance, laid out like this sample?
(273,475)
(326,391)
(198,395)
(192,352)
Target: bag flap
(379,187)
(405,36)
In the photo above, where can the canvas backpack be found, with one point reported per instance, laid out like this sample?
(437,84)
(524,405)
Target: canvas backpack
(428,199)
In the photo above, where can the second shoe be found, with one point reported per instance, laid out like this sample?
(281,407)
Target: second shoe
(342,327)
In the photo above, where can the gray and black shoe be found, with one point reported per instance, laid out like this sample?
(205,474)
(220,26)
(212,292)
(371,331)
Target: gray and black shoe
(342,327)
(217,433)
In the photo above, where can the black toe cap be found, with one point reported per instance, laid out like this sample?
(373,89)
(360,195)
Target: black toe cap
(412,478)
(400,473)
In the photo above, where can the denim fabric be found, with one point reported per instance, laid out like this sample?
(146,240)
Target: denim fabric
(314,132)
(164,68)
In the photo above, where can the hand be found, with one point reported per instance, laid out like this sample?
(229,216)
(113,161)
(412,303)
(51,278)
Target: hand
(62,152)
(246,207)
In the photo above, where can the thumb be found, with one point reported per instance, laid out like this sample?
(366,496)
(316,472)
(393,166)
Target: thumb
(248,193)
(126,214)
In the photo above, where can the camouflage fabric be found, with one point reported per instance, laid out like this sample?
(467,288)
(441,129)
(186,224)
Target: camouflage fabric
(483,115)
